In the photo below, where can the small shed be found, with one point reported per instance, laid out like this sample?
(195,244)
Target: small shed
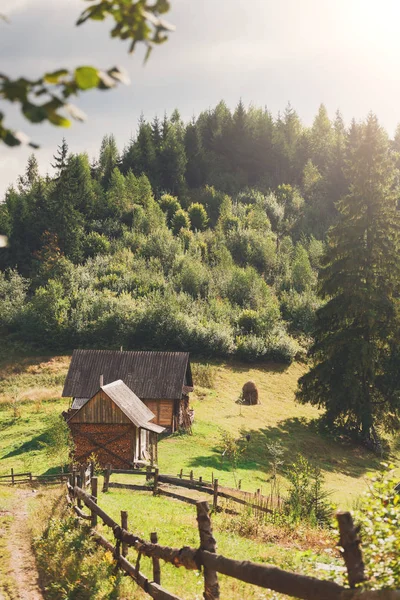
(162,380)
(115,425)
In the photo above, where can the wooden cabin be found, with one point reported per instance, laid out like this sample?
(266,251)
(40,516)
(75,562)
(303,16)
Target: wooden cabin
(116,426)
(162,380)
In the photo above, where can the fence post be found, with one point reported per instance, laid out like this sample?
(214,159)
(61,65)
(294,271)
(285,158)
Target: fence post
(212,477)
(215,500)
(148,473)
(155,486)
(240,484)
(350,542)
(30,478)
(82,476)
(207,542)
(156,562)
(79,484)
(12,476)
(106,481)
(181,474)
(94,494)
(191,475)
(200,479)
(124,525)
(73,477)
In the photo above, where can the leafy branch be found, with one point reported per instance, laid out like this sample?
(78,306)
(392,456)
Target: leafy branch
(48,97)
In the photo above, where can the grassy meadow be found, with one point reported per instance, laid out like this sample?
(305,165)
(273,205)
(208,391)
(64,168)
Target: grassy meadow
(30,390)
(30,403)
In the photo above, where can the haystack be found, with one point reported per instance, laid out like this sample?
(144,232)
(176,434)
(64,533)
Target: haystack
(250,393)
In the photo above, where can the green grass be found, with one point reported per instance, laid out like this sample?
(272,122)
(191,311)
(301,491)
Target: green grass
(36,383)
(7,585)
(30,397)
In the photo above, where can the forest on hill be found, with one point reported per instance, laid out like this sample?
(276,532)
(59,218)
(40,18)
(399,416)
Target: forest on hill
(206,236)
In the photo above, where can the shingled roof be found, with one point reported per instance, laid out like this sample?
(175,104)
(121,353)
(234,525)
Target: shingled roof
(150,375)
(129,404)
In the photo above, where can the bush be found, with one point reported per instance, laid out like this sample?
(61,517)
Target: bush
(161,244)
(71,565)
(180,221)
(198,216)
(95,243)
(300,309)
(193,277)
(246,288)
(379,517)
(13,290)
(303,276)
(260,322)
(169,205)
(250,347)
(204,375)
(306,498)
(281,347)
(249,247)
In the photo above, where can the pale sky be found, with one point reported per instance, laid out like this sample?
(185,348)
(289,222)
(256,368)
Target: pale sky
(344,53)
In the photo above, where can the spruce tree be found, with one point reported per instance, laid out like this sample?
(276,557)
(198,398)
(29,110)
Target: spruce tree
(60,159)
(354,375)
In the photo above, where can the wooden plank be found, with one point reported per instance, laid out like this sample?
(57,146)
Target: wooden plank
(176,496)
(152,589)
(132,472)
(265,576)
(130,486)
(191,485)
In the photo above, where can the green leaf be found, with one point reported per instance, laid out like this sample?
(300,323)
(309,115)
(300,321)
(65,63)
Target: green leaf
(59,120)
(86,77)
(55,75)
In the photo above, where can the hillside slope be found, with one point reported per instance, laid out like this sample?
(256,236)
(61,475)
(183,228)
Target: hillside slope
(30,399)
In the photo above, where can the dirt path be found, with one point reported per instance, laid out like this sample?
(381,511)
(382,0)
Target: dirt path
(22,562)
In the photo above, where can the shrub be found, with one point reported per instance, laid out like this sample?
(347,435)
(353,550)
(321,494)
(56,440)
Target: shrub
(180,221)
(306,498)
(302,274)
(379,517)
(13,290)
(169,205)
(246,288)
(204,375)
(161,244)
(249,247)
(300,309)
(70,564)
(198,216)
(281,347)
(193,277)
(250,347)
(260,322)
(95,243)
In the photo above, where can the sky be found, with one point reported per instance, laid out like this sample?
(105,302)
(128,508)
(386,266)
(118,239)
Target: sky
(343,53)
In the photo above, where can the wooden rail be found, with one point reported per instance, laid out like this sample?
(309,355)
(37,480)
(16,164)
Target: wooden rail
(206,556)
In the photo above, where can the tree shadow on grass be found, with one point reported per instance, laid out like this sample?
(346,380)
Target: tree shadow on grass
(297,436)
(36,443)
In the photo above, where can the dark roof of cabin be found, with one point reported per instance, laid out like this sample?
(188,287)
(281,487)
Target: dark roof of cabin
(130,404)
(151,375)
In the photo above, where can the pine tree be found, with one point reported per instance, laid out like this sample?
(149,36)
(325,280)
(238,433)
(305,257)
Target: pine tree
(354,374)
(60,159)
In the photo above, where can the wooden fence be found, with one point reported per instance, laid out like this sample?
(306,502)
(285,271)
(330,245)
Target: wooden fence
(256,501)
(206,558)
(17,478)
